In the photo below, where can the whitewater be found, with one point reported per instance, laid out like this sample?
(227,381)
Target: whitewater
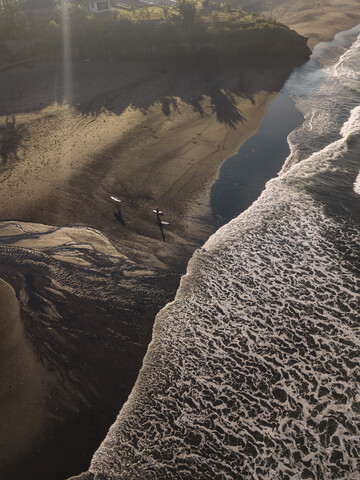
(253,371)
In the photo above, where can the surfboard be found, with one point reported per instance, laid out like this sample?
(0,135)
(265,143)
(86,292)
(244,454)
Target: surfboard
(165,223)
(116,199)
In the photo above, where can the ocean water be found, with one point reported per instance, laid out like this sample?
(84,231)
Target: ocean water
(242,177)
(253,371)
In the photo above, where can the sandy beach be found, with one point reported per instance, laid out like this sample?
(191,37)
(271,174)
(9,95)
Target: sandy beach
(318,20)
(24,382)
(154,137)
(151,138)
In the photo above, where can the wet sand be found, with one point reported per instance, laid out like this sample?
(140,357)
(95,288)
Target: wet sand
(23,380)
(154,137)
(69,356)
(149,137)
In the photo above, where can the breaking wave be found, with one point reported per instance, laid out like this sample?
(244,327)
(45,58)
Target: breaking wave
(253,370)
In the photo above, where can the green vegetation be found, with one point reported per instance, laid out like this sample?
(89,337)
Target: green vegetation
(187,11)
(9,21)
(207,32)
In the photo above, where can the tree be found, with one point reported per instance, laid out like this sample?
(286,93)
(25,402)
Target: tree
(9,14)
(187,11)
(9,9)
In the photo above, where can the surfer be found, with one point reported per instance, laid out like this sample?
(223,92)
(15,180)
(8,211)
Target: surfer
(118,215)
(158,212)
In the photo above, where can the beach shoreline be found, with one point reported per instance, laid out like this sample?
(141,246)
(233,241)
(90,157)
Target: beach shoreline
(167,155)
(178,120)
(318,20)
(160,145)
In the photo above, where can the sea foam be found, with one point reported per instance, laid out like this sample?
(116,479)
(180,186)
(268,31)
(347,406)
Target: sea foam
(253,370)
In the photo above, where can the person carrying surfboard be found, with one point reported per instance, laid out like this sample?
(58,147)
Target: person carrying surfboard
(158,212)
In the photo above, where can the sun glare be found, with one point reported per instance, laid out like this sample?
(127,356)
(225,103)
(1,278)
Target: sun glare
(66,40)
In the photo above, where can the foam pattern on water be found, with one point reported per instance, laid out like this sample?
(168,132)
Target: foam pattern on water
(253,371)
(325,90)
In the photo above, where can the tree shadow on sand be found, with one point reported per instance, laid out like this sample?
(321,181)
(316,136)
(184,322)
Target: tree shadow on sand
(99,87)
(188,86)
(226,110)
(167,103)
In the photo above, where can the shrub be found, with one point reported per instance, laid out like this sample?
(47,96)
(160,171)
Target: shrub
(187,11)
(52,39)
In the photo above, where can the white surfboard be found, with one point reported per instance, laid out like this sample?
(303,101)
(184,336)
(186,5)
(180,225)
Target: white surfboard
(165,223)
(116,199)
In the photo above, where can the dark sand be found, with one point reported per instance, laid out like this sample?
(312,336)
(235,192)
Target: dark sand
(58,400)
(23,380)
(154,139)
(151,138)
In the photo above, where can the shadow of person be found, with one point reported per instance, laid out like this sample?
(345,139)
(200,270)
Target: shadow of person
(162,231)
(119,217)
